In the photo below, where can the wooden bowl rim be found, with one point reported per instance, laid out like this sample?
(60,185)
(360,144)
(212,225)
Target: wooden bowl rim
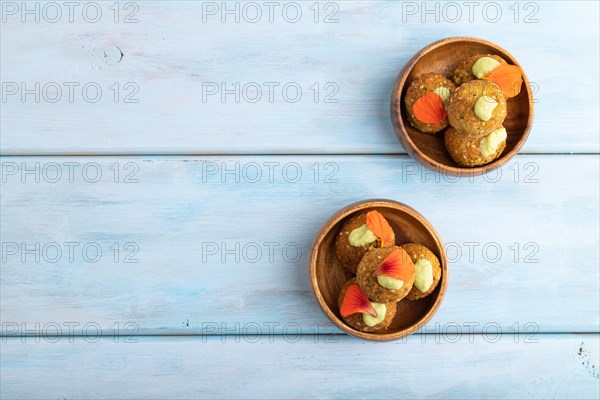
(417,153)
(344,213)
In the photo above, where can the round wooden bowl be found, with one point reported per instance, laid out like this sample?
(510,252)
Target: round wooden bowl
(327,275)
(442,57)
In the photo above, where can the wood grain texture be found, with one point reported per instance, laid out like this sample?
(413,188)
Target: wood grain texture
(291,367)
(544,223)
(170,53)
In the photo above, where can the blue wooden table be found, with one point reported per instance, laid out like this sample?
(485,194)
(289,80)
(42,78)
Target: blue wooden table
(166,166)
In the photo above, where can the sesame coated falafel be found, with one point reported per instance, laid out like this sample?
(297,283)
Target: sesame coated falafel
(350,255)
(428,83)
(464,70)
(469,151)
(370,283)
(463,108)
(419,252)
(357,320)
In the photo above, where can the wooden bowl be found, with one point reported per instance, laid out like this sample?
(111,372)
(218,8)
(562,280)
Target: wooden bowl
(327,275)
(442,57)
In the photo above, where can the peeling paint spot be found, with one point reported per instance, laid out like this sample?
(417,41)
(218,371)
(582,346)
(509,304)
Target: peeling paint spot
(584,356)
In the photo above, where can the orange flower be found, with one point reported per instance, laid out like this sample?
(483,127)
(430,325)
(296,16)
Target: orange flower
(397,265)
(509,78)
(379,226)
(355,301)
(430,109)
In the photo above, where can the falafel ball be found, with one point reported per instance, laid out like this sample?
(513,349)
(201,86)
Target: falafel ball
(355,239)
(366,322)
(480,64)
(428,83)
(384,288)
(477,107)
(428,270)
(470,151)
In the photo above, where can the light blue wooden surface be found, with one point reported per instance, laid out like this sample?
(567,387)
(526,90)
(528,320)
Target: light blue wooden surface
(188,227)
(170,54)
(513,244)
(308,367)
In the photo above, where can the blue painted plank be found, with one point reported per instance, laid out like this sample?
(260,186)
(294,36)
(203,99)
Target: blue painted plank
(156,98)
(324,367)
(206,245)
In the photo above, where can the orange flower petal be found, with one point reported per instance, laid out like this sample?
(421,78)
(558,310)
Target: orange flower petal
(397,265)
(509,78)
(430,109)
(379,226)
(355,301)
